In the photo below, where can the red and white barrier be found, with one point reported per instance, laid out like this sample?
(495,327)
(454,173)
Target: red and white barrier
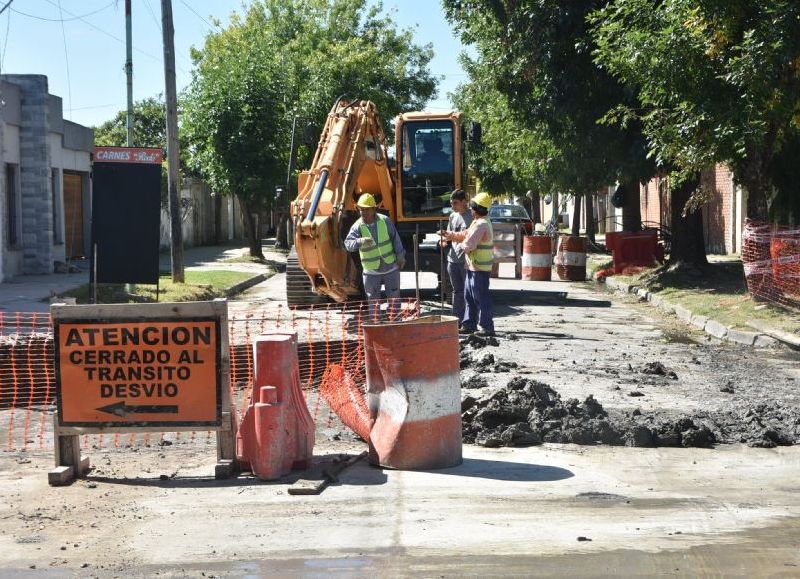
(414,393)
(277,432)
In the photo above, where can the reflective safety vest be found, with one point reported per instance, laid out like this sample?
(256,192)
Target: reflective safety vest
(383,249)
(482,256)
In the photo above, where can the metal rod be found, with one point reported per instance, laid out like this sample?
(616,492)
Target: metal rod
(94,274)
(416,263)
(129,71)
(323,178)
(442,273)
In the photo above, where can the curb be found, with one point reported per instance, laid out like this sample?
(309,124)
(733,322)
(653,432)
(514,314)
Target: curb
(709,326)
(246,284)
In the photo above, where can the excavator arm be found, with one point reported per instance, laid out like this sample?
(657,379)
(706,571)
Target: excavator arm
(351,159)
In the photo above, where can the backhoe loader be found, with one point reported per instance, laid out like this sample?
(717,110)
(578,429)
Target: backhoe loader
(412,189)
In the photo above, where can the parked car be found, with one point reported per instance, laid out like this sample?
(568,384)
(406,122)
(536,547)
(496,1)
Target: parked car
(510,223)
(514,214)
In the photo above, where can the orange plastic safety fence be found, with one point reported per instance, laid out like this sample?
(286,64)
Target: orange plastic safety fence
(771,260)
(330,354)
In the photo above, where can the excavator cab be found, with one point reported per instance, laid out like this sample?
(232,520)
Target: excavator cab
(429,149)
(351,159)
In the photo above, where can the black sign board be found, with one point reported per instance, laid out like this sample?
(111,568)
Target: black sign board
(126,213)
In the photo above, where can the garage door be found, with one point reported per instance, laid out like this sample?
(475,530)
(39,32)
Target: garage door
(73,214)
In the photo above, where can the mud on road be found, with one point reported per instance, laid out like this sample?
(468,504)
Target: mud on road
(581,368)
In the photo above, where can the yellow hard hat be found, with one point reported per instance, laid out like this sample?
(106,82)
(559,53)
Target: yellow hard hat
(367,201)
(483,200)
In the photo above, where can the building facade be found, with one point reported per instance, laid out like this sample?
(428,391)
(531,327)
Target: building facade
(45,196)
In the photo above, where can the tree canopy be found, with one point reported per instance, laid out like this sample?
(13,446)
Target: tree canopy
(538,56)
(149,126)
(287,58)
(715,81)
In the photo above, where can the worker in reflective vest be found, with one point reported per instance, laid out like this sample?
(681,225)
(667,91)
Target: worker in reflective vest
(378,244)
(478,245)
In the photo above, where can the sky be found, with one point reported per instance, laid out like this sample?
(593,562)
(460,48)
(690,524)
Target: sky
(80,46)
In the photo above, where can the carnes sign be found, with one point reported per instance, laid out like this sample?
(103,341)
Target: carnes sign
(133,372)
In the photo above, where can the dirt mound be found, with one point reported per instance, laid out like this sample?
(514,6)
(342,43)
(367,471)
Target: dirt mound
(527,412)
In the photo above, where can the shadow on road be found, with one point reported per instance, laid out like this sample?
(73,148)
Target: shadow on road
(508,471)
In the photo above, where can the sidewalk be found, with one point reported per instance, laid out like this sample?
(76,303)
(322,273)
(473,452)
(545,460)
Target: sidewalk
(32,293)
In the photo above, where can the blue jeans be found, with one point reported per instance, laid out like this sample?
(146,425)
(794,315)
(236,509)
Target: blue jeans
(457,273)
(479,303)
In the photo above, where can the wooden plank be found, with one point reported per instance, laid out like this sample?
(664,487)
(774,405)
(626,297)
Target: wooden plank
(314,485)
(81,430)
(60,476)
(308,486)
(225,469)
(163,311)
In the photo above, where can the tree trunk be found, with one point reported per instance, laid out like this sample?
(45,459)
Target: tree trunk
(631,210)
(590,225)
(536,212)
(688,243)
(251,228)
(576,216)
(281,234)
(218,238)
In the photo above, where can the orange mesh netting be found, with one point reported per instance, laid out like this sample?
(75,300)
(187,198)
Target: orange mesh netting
(771,260)
(346,399)
(330,352)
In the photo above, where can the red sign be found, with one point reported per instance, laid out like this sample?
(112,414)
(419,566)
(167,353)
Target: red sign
(127,155)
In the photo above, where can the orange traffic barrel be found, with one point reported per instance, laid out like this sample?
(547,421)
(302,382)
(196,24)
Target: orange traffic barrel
(571,258)
(414,393)
(537,258)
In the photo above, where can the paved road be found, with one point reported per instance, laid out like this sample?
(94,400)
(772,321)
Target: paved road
(549,510)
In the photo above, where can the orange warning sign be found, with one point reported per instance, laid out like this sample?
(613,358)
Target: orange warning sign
(151,373)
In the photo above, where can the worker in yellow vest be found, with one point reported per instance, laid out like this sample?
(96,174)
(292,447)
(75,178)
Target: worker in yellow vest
(477,243)
(378,244)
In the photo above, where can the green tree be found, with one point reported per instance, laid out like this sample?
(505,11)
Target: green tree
(538,55)
(716,81)
(149,130)
(512,159)
(286,58)
(149,126)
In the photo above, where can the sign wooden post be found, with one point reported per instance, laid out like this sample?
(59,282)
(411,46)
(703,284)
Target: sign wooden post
(141,368)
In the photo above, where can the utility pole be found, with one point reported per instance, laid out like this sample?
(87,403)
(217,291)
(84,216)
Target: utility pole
(173,155)
(282,233)
(129,69)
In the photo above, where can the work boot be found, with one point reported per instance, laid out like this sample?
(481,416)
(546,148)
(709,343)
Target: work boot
(466,331)
(485,333)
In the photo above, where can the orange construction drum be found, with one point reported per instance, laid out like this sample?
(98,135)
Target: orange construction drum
(537,257)
(414,393)
(571,258)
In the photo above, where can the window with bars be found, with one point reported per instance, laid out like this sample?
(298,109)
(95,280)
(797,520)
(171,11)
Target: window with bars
(12,205)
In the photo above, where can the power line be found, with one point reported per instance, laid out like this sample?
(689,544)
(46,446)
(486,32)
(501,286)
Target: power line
(153,14)
(5,42)
(3,9)
(197,14)
(158,25)
(103,31)
(109,5)
(97,107)
(66,61)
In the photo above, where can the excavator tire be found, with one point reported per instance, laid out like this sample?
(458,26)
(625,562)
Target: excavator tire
(298,287)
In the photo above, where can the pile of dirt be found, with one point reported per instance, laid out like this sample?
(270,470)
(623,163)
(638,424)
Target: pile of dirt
(485,362)
(526,412)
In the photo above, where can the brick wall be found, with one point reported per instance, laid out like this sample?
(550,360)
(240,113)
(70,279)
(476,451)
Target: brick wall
(718,218)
